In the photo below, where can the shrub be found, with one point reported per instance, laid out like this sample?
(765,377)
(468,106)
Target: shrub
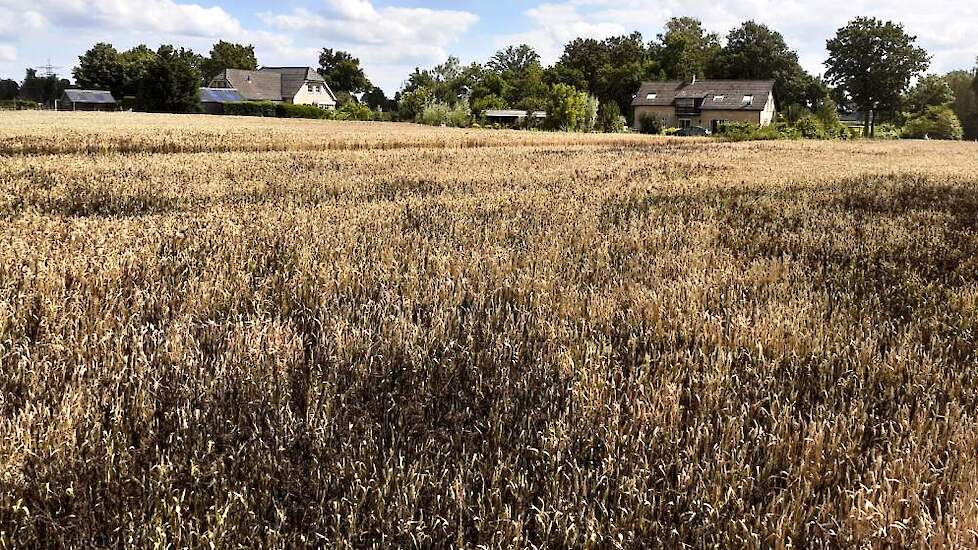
(888,130)
(353,110)
(567,108)
(434,114)
(288,110)
(609,118)
(251,108)
(459,116)
(649,124)
(810,127)
(936,122)
(18,104)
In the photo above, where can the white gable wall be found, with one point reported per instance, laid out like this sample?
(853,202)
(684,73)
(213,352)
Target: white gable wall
(318,96)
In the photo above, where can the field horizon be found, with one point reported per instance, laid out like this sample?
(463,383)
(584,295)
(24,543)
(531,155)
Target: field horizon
(230,332)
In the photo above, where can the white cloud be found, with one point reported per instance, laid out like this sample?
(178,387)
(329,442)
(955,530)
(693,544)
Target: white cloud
(389,40)
(390,34)
(157,16)
(8,53)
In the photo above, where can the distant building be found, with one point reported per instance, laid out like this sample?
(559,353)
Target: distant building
(212,100)
(298,85)
(87,100)
(706,103)
(511,117)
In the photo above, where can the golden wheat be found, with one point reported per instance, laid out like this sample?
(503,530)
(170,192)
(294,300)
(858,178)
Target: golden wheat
(240,332)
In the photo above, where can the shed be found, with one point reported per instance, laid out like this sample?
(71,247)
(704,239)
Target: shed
(511,117)
(87,100)
(212,100)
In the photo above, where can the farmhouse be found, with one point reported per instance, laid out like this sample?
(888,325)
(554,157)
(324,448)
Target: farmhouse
(511,117)
(87,100)
(706,103)
(298,85)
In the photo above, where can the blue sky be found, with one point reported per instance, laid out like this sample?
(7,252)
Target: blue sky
(393,36)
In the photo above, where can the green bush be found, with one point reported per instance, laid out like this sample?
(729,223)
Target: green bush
(18,104)
(936,122)
(251,108)
(649,124)
(745,131)
(355,111)
(609,118)
(434,114)
(288,110)
(810,127)
(888,130)
(459,116)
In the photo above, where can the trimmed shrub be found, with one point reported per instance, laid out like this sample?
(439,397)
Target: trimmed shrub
(251,108)
(288,110)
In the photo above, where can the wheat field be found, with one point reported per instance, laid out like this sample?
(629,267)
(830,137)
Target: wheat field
(221,332)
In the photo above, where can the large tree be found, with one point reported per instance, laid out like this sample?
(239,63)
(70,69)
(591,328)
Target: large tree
(873,62)
(135,63)
(342,72)
(100,68)
(581,63)
(756,52)
(965,105)
(685,50)
(930,91)
(172,82)
(515,59)
(227,55)
(629,63)
(42,89)
(9,88)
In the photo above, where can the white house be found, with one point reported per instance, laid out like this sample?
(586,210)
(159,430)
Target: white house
(298,85)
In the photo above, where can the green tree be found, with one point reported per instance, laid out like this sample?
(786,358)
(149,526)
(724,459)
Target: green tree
(629,63)
(135,63)
(42,89)
(172,82)
(609,118)
(227,55)
(873,62)
(581,63)
(100,68)
(377,100)
(756,52)
(936,122)
(342,72)
(685,49)
(566,108)
(931,90)
(515,59)
(9,89)
(965,100)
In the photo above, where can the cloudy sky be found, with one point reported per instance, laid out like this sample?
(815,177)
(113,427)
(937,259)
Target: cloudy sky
(393,36)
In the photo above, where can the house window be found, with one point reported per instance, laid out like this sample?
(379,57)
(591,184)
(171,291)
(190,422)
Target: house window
(685,123)
(309,87)
(650,96)
(719,97)
(748,100)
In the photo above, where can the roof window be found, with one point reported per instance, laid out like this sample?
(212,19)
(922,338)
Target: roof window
(748,100)
(650,96)
(719,97)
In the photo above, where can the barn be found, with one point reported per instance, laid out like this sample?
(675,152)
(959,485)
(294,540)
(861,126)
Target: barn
(87,100)
(212,100)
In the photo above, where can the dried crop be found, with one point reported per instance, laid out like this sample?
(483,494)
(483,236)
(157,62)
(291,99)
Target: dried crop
(243,332)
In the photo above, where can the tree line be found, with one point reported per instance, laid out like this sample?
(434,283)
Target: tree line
(870,68)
